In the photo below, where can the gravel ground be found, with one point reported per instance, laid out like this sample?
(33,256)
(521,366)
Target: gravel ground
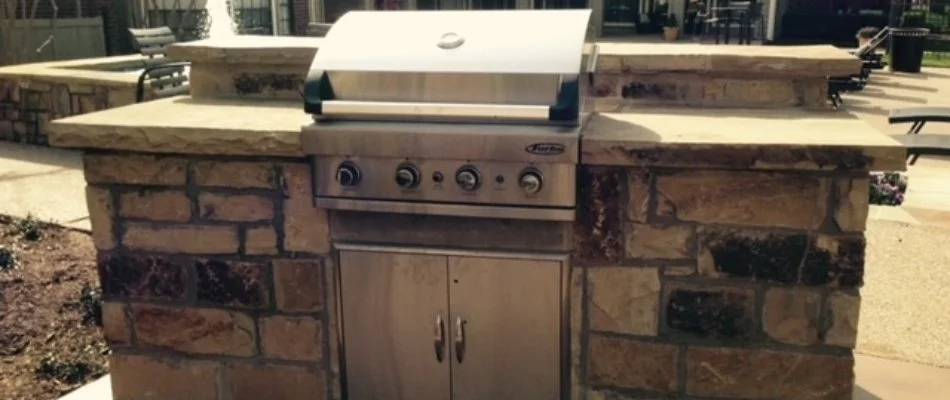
(905,308)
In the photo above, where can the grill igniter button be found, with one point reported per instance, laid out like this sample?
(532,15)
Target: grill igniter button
(531,181)
(467,178)
(407,176)
(348,174)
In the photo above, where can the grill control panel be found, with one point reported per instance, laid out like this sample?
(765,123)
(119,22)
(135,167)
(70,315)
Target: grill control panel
(446,181)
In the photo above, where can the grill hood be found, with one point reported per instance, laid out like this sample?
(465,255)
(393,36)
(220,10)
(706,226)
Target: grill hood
(456,65)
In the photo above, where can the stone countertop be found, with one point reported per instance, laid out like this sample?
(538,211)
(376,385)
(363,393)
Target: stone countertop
(792,61)
(706,138)
(91,71)
(786,139)
(189,126)
(246,49)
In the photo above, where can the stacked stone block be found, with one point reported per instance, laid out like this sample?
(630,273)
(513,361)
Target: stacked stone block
(719,284)
(28,105)
(212,273)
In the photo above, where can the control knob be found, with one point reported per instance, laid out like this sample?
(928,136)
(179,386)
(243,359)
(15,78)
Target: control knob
(407,176)
(348,174)
(530,181)
(467,178)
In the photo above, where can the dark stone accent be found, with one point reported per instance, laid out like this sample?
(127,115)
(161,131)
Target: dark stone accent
(142,277)
(746,158)
(841,266)
(232,283)
(663,91)
(249,84)
(770,257)
(710,314)
(598,231)
(435,230)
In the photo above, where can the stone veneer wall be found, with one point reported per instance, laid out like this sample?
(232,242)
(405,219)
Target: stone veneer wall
(212,273)
(694,283)
(719,284)
(27,105)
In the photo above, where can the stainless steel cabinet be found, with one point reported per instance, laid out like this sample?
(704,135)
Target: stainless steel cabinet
(443,326)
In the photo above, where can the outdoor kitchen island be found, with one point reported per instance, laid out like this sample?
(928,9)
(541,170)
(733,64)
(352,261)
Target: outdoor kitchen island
(702,253)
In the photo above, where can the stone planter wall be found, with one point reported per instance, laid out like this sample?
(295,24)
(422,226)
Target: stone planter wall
(28,104)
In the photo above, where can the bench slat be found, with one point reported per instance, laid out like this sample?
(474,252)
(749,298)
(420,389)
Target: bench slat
(170,80)
(914,114)
(155,40)
(171,91)
(925,143)
(142,32)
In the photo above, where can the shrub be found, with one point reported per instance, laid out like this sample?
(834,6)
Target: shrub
(8,259)
(70,372)
(888,188)
(90,300)
(28,228)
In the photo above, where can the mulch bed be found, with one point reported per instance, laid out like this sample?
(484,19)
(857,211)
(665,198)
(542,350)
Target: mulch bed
(50,316)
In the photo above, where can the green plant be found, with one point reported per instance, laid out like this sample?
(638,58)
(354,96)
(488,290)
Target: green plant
(888,188)
(28,228)
(8,259)
(671,21)
(52,367)
(90,300)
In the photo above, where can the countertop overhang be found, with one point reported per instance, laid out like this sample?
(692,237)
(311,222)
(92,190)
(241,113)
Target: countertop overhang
(659,137)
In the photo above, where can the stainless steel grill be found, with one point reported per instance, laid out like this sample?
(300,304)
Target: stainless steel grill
(470,113)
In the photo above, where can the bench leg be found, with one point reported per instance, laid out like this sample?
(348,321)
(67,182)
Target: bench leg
(916,127)
(912,158)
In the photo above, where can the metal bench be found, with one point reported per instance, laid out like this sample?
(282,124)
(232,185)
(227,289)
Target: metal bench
(921,144)
(164,78)
(317,29)
(869,59)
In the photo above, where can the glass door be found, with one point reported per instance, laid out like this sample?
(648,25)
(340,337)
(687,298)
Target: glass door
(559,4)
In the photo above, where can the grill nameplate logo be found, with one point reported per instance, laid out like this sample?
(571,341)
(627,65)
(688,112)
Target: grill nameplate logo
(545,149)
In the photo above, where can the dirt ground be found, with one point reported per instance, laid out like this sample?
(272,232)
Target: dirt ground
(50,341)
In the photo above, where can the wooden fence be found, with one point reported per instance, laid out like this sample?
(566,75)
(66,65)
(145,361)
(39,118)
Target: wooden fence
(75,38)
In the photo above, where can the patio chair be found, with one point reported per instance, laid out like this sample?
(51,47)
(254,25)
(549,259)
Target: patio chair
(854,83)
(917,143)
(164,77)
(317,29)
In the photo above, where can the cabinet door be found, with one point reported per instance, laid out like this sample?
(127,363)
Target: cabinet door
(392,304)
(506,320)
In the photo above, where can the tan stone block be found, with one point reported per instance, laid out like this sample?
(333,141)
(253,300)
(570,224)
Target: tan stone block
(238,208)
(291,338)
(135,169)
(777,200)
(258,241)
(243,175)
(233,283)
(156,205)
(577,331)
(306,227)
(604,394)
(19,128)
(843,312)
(790,315)
(631,364)
(660,242)
(101,217)
(76,88)
(679,270)
(624,299)
(638,195)
(115,326)
(194,330)
(299,285)
(121,97)
(851,209)
(151,378)
(255,382)
(188,239)
(763,374)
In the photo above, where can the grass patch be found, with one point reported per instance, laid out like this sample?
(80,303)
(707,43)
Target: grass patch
(70,371)
(937,60)
(8,259)
(28,228)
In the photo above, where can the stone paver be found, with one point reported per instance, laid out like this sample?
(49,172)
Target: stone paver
(45,182)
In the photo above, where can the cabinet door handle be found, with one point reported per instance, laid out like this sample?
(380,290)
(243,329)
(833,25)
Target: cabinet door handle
(439,338)
(459,340)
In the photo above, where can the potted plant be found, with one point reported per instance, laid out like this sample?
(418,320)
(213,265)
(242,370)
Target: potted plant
(671,29)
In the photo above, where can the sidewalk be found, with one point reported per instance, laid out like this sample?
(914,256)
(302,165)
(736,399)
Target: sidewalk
(45,182)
